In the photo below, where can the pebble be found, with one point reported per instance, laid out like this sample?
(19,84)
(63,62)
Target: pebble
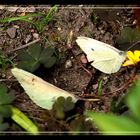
(28,38)
(68,64)
(59,28)
(11,32)
(36,35)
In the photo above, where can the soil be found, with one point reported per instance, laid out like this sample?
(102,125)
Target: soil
(71,72)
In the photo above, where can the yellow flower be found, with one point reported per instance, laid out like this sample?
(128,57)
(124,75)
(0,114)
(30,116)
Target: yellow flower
(133,58)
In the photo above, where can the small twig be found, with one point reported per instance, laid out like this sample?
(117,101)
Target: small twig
(23,46)
(125,85)
(137,42)
(90,100)
(119,89)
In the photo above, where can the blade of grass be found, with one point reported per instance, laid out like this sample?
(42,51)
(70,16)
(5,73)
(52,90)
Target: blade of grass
(40,25)
(100,86)
(21,119)
(50,14)
(25,18)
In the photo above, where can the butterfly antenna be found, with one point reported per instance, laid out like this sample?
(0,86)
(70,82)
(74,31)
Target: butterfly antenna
(137,42)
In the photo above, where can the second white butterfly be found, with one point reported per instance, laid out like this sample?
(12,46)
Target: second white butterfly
(104,57)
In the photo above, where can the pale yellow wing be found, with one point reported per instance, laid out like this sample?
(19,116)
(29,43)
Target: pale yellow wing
(106,62)
(87,44)
(40,92)
(105,57)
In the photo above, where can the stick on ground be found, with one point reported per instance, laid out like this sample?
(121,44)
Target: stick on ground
(23,46)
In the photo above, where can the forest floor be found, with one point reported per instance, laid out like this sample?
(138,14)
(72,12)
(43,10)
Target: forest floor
(71,72)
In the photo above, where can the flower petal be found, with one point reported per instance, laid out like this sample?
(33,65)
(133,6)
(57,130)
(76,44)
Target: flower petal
(128,63)
(130,55)
(137,56)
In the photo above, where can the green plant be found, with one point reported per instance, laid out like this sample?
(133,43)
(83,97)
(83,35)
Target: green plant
(63,105)
(39,24)
(4,62)
(100,87)
(64,116)
(23,18)
(34,56)
(129,123)
(58,55)
(5,109)
(9,111)
(117,105)
(94,18)
(129,36)
(23,121)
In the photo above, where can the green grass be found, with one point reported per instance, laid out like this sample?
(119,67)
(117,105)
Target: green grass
(100,87)
(39,24)
(4,62)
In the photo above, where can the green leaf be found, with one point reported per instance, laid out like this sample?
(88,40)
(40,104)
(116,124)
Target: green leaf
(128,123)
(3,126)
(46,53)
(113,124)
(22,54)
(5,98)
(35,51)
(50,62)
(69,105)
(62,105)
(21,119)
(128,35)
(65,103)
(30,58)
(47,58)
(1,119)
(5,110)
(133,100)
(36,55)
(28,65)
(58,107)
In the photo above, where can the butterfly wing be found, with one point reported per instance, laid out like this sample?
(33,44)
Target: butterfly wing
(88,44)
(106,62)
(105,57)
(40,92)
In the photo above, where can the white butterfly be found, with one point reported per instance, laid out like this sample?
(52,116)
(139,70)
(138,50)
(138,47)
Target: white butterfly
(40,92)
(105,57)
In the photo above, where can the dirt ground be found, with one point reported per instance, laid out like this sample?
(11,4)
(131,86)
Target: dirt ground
(69,73)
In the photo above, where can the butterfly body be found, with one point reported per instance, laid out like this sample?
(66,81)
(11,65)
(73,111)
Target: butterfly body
(105,57)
